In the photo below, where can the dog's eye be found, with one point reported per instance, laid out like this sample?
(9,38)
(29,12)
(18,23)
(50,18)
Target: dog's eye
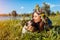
(26,24)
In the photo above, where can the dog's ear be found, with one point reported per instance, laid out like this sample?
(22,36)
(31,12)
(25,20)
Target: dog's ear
(26,23)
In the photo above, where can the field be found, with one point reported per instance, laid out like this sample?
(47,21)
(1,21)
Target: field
(11,30)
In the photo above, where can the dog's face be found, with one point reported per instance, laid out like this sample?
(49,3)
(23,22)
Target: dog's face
(29,26)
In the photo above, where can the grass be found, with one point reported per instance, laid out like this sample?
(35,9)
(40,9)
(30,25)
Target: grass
(11,30)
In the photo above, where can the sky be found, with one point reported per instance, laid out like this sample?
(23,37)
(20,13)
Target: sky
(26,6)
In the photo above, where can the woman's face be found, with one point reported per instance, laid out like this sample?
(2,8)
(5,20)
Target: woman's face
(36,17)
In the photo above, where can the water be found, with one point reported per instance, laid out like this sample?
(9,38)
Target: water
(10,17)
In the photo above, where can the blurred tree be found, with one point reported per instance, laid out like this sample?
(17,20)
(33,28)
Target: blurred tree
(53,13)
(46,8)
(37,8)
(9,14)
(57,13)
(14,13)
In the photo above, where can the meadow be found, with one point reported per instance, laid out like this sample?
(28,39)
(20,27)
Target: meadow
(11,30)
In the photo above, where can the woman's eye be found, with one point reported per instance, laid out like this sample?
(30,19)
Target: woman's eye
(35,16)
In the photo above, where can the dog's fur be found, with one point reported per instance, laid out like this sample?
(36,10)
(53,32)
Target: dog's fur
(28,27)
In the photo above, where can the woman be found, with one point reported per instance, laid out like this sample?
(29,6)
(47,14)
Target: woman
(36,24)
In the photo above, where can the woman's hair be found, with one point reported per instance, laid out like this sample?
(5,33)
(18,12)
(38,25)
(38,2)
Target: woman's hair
(36,13)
